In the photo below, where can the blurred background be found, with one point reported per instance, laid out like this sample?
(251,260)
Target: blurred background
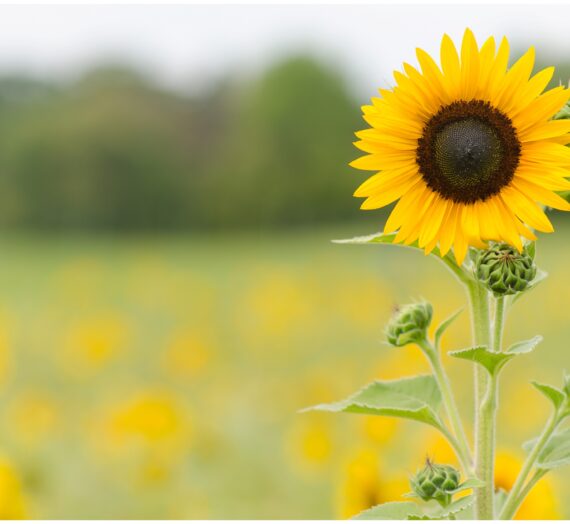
(170,180)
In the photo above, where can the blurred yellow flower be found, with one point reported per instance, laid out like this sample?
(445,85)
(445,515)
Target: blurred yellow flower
(278,304)
(310,442)
(94,341)
(13,504)
(379,430)
(32,415)
(149,417)
(188,353)
(541,503)
(364,484)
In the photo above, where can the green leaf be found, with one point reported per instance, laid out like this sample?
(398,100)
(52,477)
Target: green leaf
(383,238)
(490,360)
(553,394)
(556,453)
(453,508)
(500,499)
(494,361)
(525,346)
(391,511)
(416,398)
(540,276)
(444,325)
(469,484)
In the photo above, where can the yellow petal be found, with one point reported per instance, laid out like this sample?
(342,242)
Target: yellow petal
(384,181)
(515,80)
(469,66)
(498,69)
(540,152)
(432,221)
(540,109)
(450,66)
(542,176)
(486,59)
(526,209)
(404,207)
(448,229)
(389,194)
(540,194)
(549,129)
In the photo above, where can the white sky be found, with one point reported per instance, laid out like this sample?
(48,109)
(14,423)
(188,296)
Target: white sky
(186,46)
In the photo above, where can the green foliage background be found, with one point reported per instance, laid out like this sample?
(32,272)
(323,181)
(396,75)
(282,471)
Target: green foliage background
(114,151)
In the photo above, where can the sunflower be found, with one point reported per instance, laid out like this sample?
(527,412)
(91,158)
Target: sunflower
(469,150)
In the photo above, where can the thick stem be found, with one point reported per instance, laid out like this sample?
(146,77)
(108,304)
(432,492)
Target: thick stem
(484,404)
(500,310)
(485,450)
(486,429)
(515,499)
(463,451)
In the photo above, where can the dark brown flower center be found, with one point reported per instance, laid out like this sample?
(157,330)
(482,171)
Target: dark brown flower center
(468,151)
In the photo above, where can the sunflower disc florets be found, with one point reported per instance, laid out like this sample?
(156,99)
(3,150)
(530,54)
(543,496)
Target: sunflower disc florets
(504,270)
(409,324)
(436,482)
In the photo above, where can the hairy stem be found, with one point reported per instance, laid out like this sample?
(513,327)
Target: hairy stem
(498,325)
(485,449)
(486,434)
(463,451)
(515,499)
(484,404)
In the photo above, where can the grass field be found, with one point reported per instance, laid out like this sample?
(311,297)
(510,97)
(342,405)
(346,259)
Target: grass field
(160,377)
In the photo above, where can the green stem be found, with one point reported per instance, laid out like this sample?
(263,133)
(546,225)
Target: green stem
(485,390)
(485,449)
(486,428)
(500,310)
(515,499)
(463,451)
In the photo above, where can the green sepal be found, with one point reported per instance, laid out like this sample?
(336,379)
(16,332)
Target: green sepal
(563,113)
(556,453)
(443,327)
(416,398)
(470,483)
(494,361)
(540,277)
(530,248)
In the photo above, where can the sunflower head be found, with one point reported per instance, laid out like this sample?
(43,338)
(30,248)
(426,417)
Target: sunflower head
(468,149)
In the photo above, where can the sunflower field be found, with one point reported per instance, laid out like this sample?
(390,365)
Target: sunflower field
(161,376)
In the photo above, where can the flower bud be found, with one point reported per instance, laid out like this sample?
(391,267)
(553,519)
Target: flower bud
(504,270)
(409,324)
(436,482)
(564,113)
